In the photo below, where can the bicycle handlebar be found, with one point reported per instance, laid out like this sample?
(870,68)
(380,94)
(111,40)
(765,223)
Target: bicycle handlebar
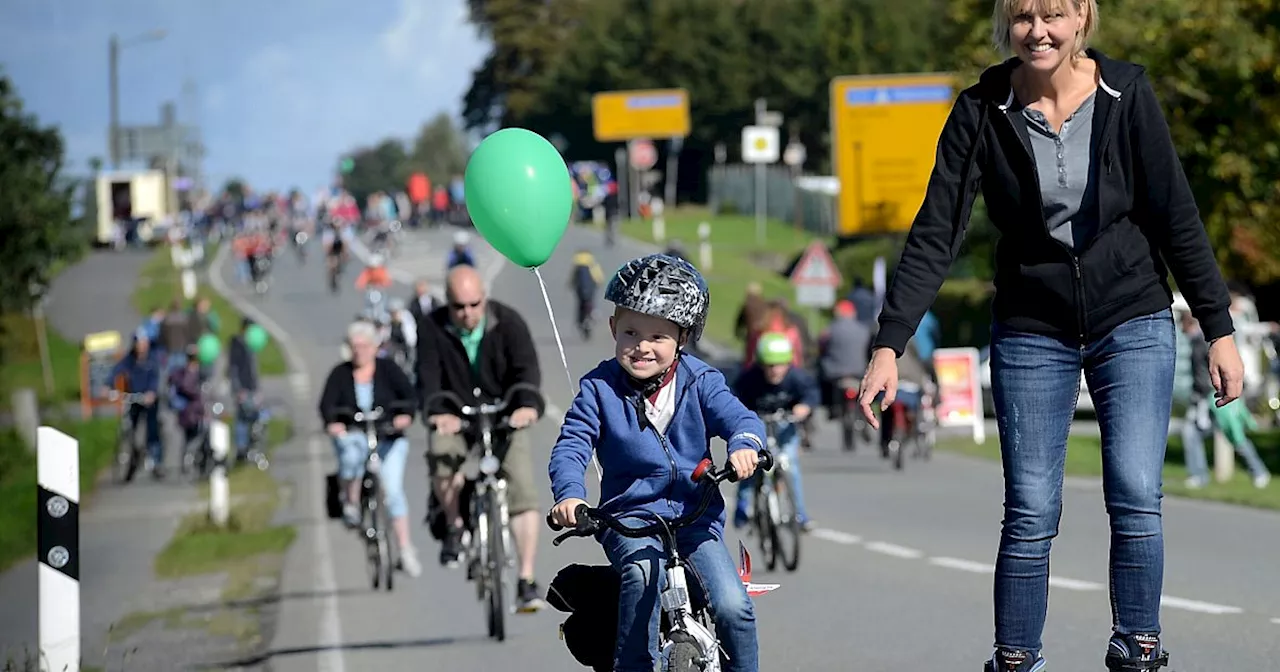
(490,410)
(590,520)
(779,416)
(376,414)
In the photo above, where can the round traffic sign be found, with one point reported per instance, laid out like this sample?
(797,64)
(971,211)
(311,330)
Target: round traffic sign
(642,154)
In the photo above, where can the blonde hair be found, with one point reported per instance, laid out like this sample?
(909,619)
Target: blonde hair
(1002,19)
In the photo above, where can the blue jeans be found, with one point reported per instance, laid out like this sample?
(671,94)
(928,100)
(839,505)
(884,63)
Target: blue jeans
(789,443)
(640,562)
(1035,385)
(353,448)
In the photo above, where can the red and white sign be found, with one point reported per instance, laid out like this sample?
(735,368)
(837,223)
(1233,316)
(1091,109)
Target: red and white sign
(959,400)
(642,154)
(816,268)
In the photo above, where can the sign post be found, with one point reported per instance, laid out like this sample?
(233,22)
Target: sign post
(622,116)
(884,136)
(58,541)
(959,390)
(760,146)
(816,277)
(101,352)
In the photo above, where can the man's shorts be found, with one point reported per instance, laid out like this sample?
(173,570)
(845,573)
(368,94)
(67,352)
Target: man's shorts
(446,454)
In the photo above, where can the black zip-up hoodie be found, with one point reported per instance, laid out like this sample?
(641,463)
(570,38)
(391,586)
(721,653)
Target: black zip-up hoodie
(1147,219)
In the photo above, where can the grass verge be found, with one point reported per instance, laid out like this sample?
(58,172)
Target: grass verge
(737,259)
(20,362)
(199,547)
(160,283)
(1084,458)
(18,480)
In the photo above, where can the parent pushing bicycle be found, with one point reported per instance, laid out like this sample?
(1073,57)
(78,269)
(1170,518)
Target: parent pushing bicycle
(1080,176)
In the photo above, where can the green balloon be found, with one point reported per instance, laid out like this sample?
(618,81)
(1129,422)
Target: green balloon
(255,337)
(207,349)
(519,194)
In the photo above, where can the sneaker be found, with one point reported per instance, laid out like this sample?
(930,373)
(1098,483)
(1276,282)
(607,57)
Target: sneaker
(1261,480)
(528,599)
(1014,660)
(351,515)
(409,561)
(1196,482)
(1133,653)
(451,548)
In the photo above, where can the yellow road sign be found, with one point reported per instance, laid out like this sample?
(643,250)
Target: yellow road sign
(884,135)
(618,116)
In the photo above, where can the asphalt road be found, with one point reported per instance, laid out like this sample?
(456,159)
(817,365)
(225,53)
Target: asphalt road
(898,575)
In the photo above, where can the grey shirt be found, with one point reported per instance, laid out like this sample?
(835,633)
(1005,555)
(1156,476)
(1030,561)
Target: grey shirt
(1068,184)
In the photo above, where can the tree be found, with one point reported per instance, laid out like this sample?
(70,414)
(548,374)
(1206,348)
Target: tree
(440,151)
(378,168)
(35,203)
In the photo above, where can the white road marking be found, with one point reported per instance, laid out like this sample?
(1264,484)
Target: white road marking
(1276,621)
(836,536)
(1073,584)
(963,565)
(330,624)
(894,550)
(1198,606)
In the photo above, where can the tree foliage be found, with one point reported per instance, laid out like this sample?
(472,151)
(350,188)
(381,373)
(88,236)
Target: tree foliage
(36,229)
(1215,65)
(439,150)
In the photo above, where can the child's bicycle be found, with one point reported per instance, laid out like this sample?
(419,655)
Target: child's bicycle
(686,637)
(775,511)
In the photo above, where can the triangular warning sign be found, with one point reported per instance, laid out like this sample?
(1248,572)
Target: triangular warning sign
(816,268)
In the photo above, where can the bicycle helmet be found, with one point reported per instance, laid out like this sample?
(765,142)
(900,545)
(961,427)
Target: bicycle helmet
(376,260)
(774,348)
(662,286)
(461,238)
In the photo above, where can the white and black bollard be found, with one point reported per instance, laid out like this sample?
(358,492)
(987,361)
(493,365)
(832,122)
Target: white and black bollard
(58,544)
(219,490)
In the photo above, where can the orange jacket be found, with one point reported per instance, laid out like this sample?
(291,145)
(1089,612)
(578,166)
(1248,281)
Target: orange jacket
(378,277)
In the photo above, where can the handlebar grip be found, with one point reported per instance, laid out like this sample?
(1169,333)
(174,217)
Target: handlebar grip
(766,461)
(555,527)
(581,515)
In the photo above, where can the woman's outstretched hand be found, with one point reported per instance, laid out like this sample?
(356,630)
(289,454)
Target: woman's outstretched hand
(1226,370)
(881,376)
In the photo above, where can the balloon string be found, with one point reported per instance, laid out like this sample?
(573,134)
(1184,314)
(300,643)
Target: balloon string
(564,361)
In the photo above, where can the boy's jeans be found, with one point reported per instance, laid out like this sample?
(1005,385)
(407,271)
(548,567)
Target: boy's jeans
(1035,385)
(641,564)
(1194,428)
(789,443)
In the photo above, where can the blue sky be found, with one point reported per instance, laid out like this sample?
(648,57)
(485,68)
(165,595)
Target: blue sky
(281,87)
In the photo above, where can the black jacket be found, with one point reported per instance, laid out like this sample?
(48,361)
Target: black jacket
(1147,218)
(507,356)
(392,391)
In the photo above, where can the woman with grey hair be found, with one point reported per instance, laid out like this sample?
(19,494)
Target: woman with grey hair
(364,383)
(1074,157)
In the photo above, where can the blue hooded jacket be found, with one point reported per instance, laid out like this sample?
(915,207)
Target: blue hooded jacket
(758,394)
(642,469)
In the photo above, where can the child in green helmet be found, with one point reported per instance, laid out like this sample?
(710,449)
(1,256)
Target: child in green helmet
(770,384)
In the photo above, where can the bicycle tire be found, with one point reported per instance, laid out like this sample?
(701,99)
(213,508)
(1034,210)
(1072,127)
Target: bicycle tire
(497,561)
(899,454)
(684,657)
(373,534)
(788,524)
(848,432)
(764,525)
(126,438)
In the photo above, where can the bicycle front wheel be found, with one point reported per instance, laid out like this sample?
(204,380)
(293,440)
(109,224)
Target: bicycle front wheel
(785,511)
(375,536)
(497,561)
(766,530)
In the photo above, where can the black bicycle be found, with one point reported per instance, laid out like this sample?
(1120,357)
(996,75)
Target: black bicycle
(686,636)
(488,532)
(775,512)
(381,551)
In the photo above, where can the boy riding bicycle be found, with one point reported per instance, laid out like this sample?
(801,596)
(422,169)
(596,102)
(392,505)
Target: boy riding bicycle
(769,385)
(584,280)
(652,384)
